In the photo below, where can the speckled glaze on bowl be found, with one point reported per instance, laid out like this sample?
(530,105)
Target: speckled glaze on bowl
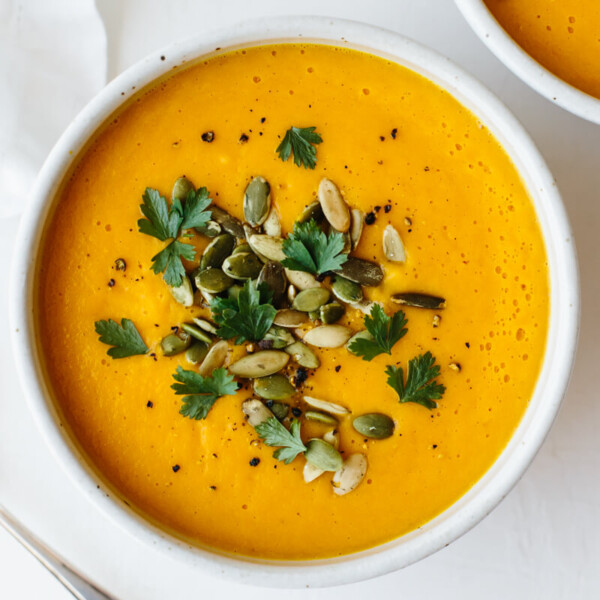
(562,335)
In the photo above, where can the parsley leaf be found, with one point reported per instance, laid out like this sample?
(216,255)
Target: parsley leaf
(202,392)
(309,249)
(247,317)
(420,385)
(160,222)
(386,331)
(275,434)
(194,209)
(301,141)
(169,261)
(124,338)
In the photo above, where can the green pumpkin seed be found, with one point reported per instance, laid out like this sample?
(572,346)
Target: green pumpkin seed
(280,337)
(313,211)
(348,478)
(269,247)
(331,313)
(242,248)
(393,248)
(314,315)
(336,211)
(310,472)
(310,299)
(361,335)
(196,333)
(206,325)
(256,412)
(328,336)
(419,300)
(274,387)
(183,293)
(361,271)
(202,298)
(272,225)
(257,201)
(280,410)
(346,290)
(347,242)
(290,318)
(217,251)
(273,275)
(242,266)
(260,364)
(328,407)
(174,343)
(213,281)
(356,227)
(196,353)
(226,221)
(214,359)
(181,188)
(374,425)
(233,292)
(313,415)
(210,229)
(301,280)
(322,455)
(303,355)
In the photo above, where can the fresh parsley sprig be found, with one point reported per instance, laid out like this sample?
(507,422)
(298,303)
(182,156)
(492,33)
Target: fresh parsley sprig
(386,331)
(200,393)
(166,222)
(301,141)
(420,386)
(124,338)
(309,249)
(289,443)
(247,317)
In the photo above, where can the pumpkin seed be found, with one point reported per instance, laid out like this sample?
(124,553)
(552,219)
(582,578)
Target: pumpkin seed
(183,293)
(365,307)
(313,415)
(210,229)
(226,221)
(268,246)
(347,242)
(393,248)
(322,455)
(314,315)
(310,472)
(273,275)
(181,188)
(361,271)
(174,343)
(374,425)
(260,364)
(334,208)
(348,478)
(328,336)
(242,266)
(332,437)
(310,299)
(196,332)
(290,318)
(207,298)
(233,291)
(274,387)
(257,201)
(256,412)
(303,355)
(217,251)
(331,313)
(213,281)
(242,248)
(361,335)
(301,279)
(358,218)
(280,337)
(280,410)
(206,325)
(291,293)
(214,359)
(313,211)
(197,352)
(272,225)
(328,407)
(346,290)
(419,300)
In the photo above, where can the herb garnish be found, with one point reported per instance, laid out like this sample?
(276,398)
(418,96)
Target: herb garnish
(275,434)
(202,392)
(301,141)
(420,385)
(309,249)
(247,317)
(167,222)
(124,338)
(385,330)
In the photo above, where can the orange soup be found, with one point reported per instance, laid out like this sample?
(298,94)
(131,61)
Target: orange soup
(418,227)
(562,35)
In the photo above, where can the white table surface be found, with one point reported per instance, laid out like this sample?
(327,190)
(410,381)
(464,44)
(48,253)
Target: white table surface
(543,541)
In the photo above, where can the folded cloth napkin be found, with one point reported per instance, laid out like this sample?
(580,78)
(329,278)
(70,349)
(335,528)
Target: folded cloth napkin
(53,60)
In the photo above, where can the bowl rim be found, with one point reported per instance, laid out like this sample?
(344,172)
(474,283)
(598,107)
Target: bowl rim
(552,381)
(529,70)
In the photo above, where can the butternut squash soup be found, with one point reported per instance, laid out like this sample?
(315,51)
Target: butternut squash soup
(562,35)
(293,301)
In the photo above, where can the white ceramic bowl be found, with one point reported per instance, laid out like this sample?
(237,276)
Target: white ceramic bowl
(558,91)
(536,422)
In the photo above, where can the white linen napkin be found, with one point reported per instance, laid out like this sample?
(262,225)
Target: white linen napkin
(52,61)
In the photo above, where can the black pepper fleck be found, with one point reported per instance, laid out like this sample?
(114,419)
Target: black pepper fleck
(149,404)
(111,283)
(387,208)
(370,218)
(426,169)
(467,344)
(120,264)
(213,487)
(296,412)
(301,376)
(243,138)
(377,208)
(435,445)
(337,369)
(176,468)
(394,132)
(162,58)
(254,462)
(208,136)
(175,329)
(263,119)
(382,138)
